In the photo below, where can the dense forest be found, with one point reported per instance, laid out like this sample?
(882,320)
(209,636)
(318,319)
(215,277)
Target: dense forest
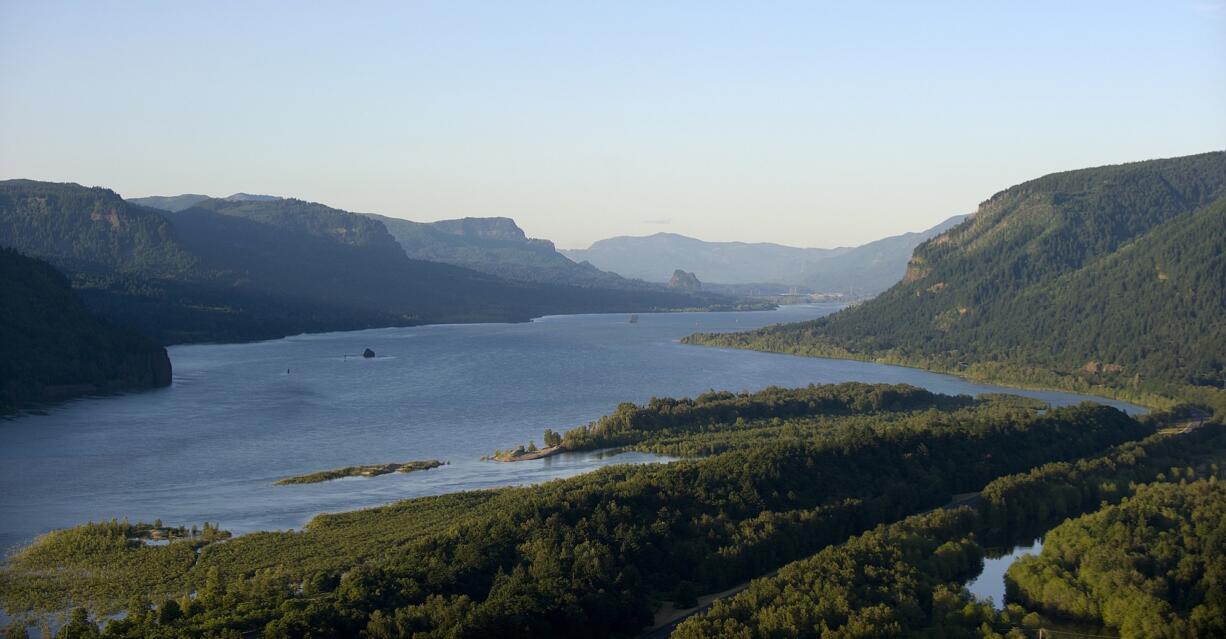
(591,555)
(257,267)
(1121,269)
(1157,558)
(52,347)
(1152,566)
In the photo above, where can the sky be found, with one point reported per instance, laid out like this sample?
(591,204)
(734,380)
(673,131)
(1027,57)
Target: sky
(803,123)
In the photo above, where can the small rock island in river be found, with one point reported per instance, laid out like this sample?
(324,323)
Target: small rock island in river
(373,470)
(368,353)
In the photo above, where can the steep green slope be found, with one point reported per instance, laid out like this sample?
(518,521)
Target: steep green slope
(92,229)
(870,268)
(1110,277)
(51,347)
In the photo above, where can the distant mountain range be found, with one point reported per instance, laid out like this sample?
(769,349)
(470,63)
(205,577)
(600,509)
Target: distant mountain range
(175,203)
(867,269)
(1111,278)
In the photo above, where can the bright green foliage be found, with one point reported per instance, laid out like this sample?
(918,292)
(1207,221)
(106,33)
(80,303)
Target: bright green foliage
(1063,489)
(590,555)
(878,584)
(1112,277)
(100,562)
(905,579)
(716,411)
(1153,566)
(51,346)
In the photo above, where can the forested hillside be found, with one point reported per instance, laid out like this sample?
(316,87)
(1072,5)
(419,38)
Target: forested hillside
(254,267)
(51,347)
(1152,566)
(1113,277)
(90,229)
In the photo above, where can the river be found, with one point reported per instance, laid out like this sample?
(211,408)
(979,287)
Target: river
(239,416)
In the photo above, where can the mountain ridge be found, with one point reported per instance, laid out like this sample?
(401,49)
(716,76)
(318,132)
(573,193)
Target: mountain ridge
(1119,266)
(869,268)
(242,268)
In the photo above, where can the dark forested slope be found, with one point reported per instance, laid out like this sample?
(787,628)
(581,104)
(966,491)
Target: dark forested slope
(51,347)
(255,267)
(1112,276)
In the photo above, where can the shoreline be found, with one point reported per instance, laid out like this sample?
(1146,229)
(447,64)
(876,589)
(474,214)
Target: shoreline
(526,456)
(1097,392)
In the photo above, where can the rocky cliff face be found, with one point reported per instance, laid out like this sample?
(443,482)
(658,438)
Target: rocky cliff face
(685,281)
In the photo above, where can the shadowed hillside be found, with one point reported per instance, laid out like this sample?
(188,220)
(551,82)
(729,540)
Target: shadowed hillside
(53,348)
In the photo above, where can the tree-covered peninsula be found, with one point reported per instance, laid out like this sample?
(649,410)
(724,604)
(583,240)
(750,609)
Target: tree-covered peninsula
(592,555)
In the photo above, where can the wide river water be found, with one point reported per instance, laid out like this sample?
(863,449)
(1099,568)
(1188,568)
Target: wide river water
(239,416)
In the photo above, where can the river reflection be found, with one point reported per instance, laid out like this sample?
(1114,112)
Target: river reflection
(990,584)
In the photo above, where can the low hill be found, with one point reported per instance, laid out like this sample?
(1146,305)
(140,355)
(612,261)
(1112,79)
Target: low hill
(54,348)
(170,202)
(1112,277)
(866,269)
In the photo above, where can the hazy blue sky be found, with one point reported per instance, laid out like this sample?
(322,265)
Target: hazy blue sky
(808,123)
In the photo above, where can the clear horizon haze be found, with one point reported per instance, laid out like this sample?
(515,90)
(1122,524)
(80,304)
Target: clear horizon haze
(805,124)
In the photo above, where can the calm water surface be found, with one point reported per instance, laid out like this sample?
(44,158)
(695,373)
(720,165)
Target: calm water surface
(990,584)
(240,416)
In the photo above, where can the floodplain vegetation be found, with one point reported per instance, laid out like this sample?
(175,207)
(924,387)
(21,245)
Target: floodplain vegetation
(370,470)
(768,478)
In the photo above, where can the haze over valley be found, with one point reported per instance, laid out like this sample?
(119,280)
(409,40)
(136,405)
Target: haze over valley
(613,321)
